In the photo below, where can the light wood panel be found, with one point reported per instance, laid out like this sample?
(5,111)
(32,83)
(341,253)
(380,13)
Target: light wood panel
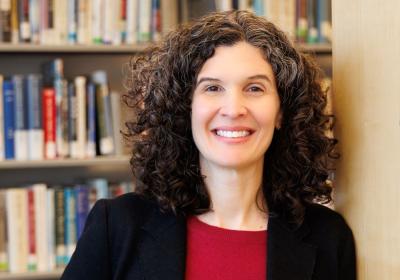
(366,85)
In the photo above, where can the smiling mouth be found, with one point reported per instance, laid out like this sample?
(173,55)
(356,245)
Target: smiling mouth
(232,133)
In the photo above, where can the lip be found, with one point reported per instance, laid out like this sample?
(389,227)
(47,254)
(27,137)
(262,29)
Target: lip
(238,140)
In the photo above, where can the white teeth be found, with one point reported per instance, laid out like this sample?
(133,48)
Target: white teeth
(232,134)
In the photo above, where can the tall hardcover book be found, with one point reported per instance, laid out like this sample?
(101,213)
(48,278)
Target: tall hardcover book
(79,150)
(132,21)
(64,149)
(40,193)
(5,20)
(104,116)
(3,232)
(59,207)
(17,229)
(2,132)
(34,113)
(9,120)
(14,22)
(24,23)
(97,21)
(72,120)
(50,228)
(70,221)
(34,20)
(32,255)
(144,21)
(21,119)
(91,121)
(49,122)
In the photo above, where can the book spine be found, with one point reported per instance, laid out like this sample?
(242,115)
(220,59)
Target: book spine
(123,21)
(5,20)
(2,148)
(59,91)
(91,120)
(65,152)
(24,23)
(81,21)
(14,22)
(301,19)
(21,126)
(97,27)
(34,20)
(109,21)
(72,21)
(155,20)
(40,192)
(9,122)
(82,207)
(88,22)
(44,36)
(72,120)
(60,21)
(50,229)
(3,232)
(144,21)
(49,122)
(81,137)
(35,125)
(312,36)
(324,21)
(59,207)
(32,257)
(70,221)
(131,21)
(258,7)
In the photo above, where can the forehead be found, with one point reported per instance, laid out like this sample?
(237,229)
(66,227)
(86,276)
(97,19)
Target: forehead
(239,60)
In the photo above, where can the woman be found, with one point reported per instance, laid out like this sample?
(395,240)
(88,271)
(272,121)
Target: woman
(230,155)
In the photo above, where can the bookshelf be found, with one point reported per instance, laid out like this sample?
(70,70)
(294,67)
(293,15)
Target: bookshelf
(83,59)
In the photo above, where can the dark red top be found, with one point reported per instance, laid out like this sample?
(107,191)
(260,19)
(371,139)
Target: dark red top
(217,253)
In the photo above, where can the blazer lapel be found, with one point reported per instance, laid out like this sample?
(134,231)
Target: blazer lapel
(163,247)
(288,257)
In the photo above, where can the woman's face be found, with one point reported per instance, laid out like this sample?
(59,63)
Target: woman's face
(235,107)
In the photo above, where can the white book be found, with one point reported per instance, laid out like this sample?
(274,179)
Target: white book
(1,120)
(72,20)
(116,119)
(97,21)
(40,200)
(169,15)
(50,228)
(21,126)
(34,20)
(244,5)
(82,24)
(289,18)
(78,148)
(223,5)
(88,21)
(117,24)
(144,20)
(131,21)
(61,22)
(17,229)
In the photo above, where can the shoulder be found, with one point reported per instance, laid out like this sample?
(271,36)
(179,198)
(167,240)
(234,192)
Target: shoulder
(327,226)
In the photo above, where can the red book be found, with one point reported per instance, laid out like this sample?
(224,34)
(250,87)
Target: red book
(49,122)
(32,260)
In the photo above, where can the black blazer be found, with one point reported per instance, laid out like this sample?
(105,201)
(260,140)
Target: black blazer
(129,238)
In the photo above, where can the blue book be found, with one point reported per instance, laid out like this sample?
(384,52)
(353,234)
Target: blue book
(21,119)
(9,122)
(82,207)
(70,222)
(258,7)
(33,92)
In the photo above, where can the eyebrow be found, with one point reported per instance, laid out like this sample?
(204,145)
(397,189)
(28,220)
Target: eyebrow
(255,77)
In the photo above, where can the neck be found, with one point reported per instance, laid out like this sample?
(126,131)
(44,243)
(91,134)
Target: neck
(236,197)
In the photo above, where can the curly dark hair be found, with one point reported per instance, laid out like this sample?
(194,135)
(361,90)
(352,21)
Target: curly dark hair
(165,160)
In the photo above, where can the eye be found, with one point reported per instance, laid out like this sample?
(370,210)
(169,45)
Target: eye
(213,88)
(256,90)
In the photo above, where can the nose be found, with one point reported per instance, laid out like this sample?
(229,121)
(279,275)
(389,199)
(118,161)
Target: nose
(233,105)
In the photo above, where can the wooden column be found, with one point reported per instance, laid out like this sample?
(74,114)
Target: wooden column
(366,86)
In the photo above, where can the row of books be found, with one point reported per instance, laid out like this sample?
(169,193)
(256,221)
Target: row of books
(85,21)
(306,21)
(44,116)
(40,224)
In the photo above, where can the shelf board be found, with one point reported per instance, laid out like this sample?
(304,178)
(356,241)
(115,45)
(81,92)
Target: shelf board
(31,48)
(318,48)
(61,163)
(56,274)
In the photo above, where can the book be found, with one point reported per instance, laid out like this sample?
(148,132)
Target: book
(14,22)
(5,20)
(17,229)
(40,193)
(34,20)
(59,209)
(156,20)
(21,119)
(116,119)
(9,122)
(301,21)
(104,121)
(144,21)
(324,21)
(79,150)
(312,36)
(3,232)
(97,30)
(91,121)
(169,15)
(132,21)
(32,255)
(49,122)
(34,113)
(23,21)
(72,21)
(70,221)
(50,228)
(2,156)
